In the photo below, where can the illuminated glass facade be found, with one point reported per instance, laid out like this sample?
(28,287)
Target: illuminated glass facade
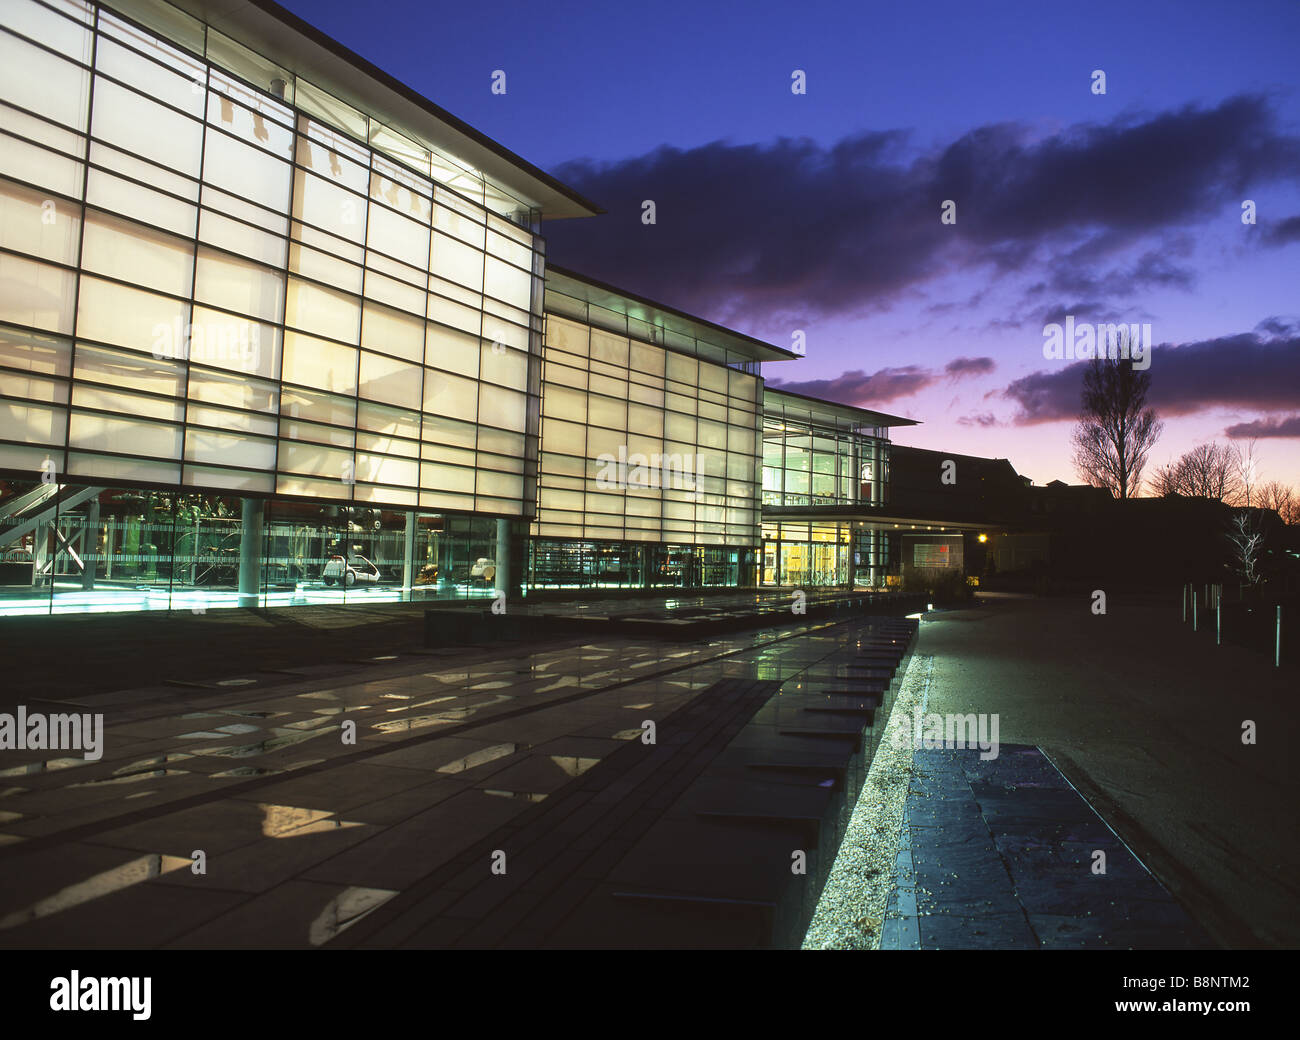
(815,455)
(209,286)
(275,330)
(642,440)
(823,463)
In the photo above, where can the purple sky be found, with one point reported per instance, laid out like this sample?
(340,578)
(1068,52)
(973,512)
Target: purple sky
(821,212)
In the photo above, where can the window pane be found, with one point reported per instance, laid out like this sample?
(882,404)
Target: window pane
(141,203)
(223,340)
(236,237)
(131,370)
(505,367)
(507,409)
(238,285)
(451,396)
(126,119)
(174,88)
(47,85)
(33,352)
(452,350)
(395,422)
(131,318)
(28,162)
(329,207)
(39,23)
(152,440)
(320,363)
(247,172)
(135,253)
(458,262)
(387,379)
(314,308)
(508,283)
(28,225)
(36,294)
(399,237)
(332,156)
(392,331)
(252,127)
(230,390)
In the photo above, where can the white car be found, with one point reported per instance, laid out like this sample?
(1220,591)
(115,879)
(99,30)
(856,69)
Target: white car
(483,568)
(357,570)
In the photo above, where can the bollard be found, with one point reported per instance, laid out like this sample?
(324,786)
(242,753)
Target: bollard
(1277,639)
(1194,600)
(1184,602)
(1218,622)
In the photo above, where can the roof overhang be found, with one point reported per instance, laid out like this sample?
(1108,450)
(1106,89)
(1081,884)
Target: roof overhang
(831,410)
(620,301)
(878,519)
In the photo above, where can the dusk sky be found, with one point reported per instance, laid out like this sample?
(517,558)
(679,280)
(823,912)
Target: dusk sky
(820,212)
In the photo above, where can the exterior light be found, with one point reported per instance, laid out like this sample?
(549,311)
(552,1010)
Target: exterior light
(984,538)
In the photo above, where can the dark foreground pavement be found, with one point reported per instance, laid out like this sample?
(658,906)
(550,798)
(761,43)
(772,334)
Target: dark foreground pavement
(1146,720)
(312,842)
(1003,854)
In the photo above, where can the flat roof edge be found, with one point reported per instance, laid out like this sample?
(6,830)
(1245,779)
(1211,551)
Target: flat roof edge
(764,351)
(877,418)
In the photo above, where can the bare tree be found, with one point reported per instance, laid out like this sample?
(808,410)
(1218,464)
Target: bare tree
(1211,471)
(1247,472)
(1245,538)
(1116,428)
(1167,480)
(1282,499)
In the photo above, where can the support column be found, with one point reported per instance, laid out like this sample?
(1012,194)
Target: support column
(853,550)
(505,568)
(408,554)
(41,551)
(250,552)
(90,545)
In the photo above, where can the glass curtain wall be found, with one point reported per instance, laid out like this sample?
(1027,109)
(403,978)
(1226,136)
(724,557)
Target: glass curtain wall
(640,443)
(807,464)
(216,278)
(806,554)
(74,549)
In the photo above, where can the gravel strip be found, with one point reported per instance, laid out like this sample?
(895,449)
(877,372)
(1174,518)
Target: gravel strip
(851,910)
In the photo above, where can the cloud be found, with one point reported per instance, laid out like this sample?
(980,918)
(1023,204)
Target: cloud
(1258,369)
(959,368)
(1283,232)
(860,389)
(887,384)
(1269,427)
(984,420)
(794,229)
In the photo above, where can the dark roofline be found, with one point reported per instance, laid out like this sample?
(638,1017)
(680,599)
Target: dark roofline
(938,453)
(876,418)
(762,346)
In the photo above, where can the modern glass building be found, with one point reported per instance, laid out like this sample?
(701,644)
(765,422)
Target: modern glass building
(275,329)
(825,486)
(650,463)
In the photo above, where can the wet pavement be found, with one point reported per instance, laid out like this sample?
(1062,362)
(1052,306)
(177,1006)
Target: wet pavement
(536,751)
(302,833)
(1005,854)
(1186,749)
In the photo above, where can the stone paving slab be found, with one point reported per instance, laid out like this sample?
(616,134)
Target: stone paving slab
(999,854)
